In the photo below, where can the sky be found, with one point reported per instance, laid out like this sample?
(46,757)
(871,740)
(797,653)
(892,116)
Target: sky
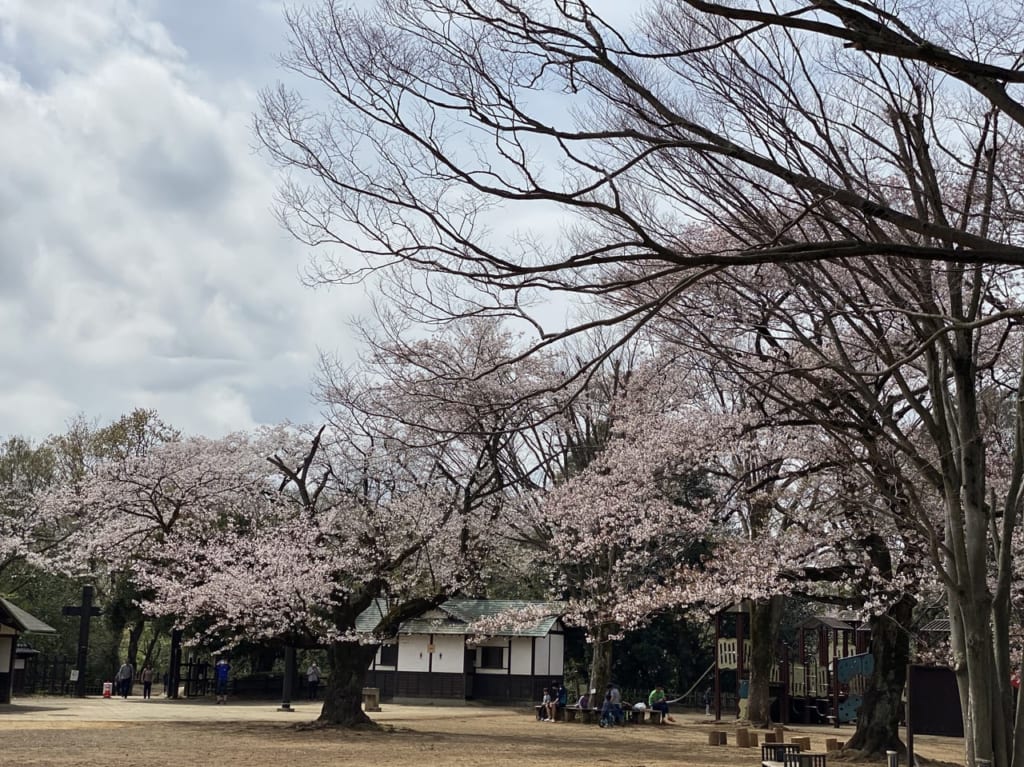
(141,265)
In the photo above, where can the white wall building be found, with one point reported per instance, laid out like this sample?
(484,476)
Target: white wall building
(439,656)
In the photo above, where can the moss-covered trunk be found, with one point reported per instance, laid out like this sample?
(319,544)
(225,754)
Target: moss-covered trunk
(343,694)
(765,617)
(879,715)
(601,665)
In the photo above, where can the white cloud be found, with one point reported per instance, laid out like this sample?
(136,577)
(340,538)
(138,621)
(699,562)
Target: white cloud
(140,265)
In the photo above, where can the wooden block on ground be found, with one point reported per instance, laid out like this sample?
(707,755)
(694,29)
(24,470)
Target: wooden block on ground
(831,744)
(371,699)
(716,738)
(780,734)
(769,737)
(804,743)
(752,740)
(742,737)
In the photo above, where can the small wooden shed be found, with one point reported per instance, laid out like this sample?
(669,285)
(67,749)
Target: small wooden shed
(13,623)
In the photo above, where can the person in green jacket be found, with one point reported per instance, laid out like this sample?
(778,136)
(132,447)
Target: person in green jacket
(656,702)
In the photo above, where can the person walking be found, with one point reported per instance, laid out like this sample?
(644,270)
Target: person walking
(220,679)
(616,703)
(312,680)
(147,682)
(124,678)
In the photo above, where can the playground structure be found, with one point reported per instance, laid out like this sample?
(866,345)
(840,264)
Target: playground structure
(821,679)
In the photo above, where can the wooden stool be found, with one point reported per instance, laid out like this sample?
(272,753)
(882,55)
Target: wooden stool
(371,698)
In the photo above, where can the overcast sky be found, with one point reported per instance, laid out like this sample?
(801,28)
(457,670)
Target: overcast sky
(140,263)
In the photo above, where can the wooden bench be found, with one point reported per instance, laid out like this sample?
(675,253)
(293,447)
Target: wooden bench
(804,759)
(643,716)
(774,754)
(577,714)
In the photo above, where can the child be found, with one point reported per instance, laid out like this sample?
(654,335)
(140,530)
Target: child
(545,706)
(607,711)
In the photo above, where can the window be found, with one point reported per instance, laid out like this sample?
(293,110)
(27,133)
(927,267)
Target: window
(388,655)
(492,657)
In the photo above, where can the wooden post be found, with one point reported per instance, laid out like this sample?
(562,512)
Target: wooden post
(784,697)
(742,737)
(739,654)
(834,676)
(718,677)
(85,612)
(807,678)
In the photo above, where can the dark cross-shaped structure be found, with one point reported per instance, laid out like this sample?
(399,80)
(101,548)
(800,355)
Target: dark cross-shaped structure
(85,611)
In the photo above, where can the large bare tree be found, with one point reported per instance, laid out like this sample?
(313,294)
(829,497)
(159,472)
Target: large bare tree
(709,136)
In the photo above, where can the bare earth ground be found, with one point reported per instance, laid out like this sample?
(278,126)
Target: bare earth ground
(64,732)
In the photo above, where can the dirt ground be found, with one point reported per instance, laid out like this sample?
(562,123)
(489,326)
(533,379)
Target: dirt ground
(52,732)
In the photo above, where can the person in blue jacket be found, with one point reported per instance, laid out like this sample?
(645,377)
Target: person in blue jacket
(220,679)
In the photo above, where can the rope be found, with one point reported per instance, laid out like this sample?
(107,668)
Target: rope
(694,687)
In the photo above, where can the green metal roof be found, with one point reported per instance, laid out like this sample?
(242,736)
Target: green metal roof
(13,615)
(455,615)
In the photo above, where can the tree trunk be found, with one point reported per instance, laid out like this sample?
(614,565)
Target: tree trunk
(343,694)
(134,636)
(879,716)
(764,631)
(601,664)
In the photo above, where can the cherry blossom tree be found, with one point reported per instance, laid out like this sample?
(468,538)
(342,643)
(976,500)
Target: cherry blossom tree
(280,536)
(25,469)
(622,523)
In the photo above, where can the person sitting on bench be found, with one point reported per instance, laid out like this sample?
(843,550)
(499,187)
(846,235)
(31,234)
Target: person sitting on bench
(656,701)
(546,712)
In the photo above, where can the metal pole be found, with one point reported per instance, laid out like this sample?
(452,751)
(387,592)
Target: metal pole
(911,761)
